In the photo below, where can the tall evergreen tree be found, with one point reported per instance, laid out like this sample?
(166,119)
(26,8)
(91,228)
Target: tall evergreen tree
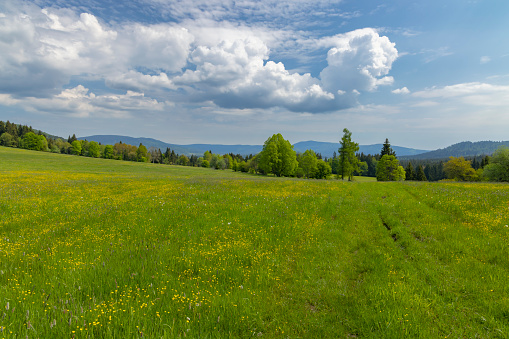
(348,162)
(387,149)
(409,172)
(420,176)
(71,139)
(485,161)
(475,164)
(11,129)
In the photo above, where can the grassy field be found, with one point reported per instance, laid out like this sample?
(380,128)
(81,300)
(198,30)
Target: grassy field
(93,248)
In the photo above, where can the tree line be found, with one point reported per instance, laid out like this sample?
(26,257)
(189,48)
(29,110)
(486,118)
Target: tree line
(277,158)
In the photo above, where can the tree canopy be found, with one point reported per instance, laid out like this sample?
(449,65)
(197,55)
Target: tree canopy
(278,157)
(459,169)
(498,167)
(388,169)
(309,163)
(34,142)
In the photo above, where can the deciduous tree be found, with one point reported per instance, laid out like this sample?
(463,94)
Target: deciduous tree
(76,147)
(308,162)
(142,153)
(94,149)
(459,169)
(323,169)
(498,167)
(6,139)
(108,152)
(278,157)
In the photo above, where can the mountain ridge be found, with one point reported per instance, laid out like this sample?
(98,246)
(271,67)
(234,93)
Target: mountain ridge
(462,149)
(326,149)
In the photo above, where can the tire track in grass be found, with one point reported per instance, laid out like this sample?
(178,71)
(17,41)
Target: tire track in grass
(456,265)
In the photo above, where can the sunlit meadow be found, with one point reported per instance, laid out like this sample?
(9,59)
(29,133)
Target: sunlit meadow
(93,248)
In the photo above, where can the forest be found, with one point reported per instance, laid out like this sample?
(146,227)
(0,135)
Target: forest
(278,158)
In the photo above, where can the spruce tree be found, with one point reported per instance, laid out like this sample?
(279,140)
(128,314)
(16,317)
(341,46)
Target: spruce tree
(475,164)
(420,176)
(71,139)
(387,149)
(409,172)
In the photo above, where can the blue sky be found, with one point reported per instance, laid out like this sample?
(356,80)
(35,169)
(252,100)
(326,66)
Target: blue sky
(425,74)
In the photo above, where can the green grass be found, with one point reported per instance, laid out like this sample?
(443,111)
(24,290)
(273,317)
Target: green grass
(93,248)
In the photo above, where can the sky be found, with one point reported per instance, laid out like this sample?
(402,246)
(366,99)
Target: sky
(424,74)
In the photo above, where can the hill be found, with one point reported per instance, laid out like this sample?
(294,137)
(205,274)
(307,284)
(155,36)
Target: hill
(148,142)
(327,149)
(462,149)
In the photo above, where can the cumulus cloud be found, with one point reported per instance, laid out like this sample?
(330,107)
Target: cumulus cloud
(45,48)
(359,60)
(234,74)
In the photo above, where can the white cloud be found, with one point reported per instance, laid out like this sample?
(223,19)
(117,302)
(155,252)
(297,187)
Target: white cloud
(484,59)
(359,60)
(160,46)
(8,100)
(403,90)
(275,12)
(233,74)
(46,48)
(137,81)
(465,91)
(79,102)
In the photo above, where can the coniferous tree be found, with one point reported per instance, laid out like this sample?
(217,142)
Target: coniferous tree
(11,129)
(475,164)
(348,162)
(387,149)
(485,161)
(409,172)
(71,139)
(420,176)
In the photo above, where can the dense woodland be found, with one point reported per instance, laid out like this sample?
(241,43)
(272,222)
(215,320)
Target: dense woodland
(277,158)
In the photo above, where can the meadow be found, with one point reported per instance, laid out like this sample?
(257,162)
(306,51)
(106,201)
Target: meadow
(94,248)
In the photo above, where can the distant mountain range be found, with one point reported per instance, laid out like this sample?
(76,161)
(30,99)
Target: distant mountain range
(462,149)
(327,149)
